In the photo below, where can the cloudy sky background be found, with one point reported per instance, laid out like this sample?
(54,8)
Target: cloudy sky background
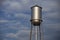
(15,19)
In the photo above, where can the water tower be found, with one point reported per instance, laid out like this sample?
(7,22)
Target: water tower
(36,19)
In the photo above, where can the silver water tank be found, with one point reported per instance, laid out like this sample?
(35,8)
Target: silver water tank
(36,16)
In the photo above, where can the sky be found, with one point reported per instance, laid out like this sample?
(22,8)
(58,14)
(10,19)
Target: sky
(15,18)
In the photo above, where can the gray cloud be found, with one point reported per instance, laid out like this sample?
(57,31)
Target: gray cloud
(19,8)
(19,35)
(1,1)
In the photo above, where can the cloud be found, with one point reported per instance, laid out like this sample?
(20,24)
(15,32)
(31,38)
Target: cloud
(25,1)
(19,35)
(11,35)
(51,16)
(16,5)
(1,1)
(17,14)
(22,15)
(19,6)
(7,21)
(1,21)
(22,30)
(11,5)
(48,5)
(52,26)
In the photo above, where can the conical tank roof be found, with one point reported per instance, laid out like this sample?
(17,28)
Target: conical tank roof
(36,6)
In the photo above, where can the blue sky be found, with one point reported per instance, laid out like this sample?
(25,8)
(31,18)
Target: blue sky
(15,19)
